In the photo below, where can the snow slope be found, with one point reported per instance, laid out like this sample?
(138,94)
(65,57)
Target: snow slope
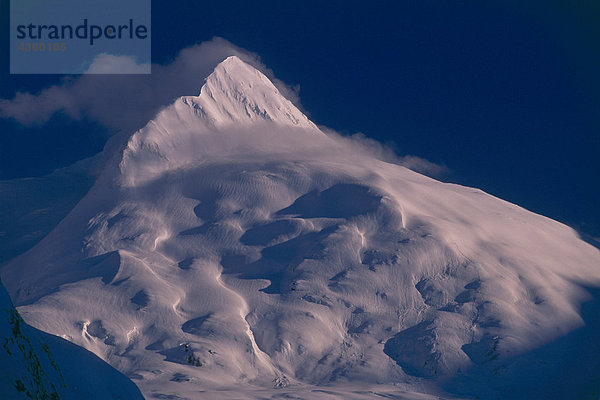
(231,249)
(36,365)
(31,207)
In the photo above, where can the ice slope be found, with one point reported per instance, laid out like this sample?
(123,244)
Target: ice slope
(233,250)
(35,365)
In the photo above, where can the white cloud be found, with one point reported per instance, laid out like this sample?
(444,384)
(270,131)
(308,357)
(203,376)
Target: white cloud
(126,102)
(110,64)
(361,143)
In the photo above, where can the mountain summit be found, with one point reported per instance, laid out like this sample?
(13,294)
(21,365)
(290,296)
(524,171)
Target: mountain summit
(236,93)
(238,111)
(232,249)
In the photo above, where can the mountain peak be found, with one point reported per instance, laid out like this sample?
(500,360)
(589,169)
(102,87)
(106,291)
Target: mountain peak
(234,68)
(238,110)
(236,92)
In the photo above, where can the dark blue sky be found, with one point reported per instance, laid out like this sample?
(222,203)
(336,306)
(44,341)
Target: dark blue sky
(506,94)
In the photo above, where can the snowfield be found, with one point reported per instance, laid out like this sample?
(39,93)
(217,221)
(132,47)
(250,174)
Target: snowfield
(231,249)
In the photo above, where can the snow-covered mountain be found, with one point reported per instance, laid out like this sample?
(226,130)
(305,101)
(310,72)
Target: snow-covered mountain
(231,249)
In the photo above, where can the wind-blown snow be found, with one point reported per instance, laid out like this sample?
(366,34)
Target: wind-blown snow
(231,248)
